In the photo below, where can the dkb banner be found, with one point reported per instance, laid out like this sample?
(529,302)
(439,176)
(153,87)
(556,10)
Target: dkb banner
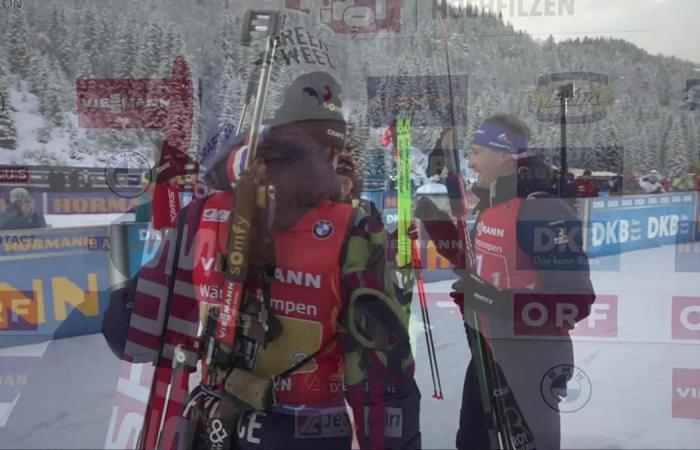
(621,224)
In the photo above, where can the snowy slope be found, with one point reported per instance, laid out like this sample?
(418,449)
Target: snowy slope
(72,387)
(23,107)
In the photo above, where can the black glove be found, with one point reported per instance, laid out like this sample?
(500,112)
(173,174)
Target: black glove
(480,296)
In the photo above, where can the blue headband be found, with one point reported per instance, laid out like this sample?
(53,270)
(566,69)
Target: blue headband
(498,137)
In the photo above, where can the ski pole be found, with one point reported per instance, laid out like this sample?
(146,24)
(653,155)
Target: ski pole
(565,92)
(407,252)
(425,315)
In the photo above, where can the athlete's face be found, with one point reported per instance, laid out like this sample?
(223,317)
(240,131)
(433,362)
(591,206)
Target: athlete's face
(488,164)
(302,173)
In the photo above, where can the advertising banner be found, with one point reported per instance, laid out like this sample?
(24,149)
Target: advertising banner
(427,97)
(102,202)
(354,16)
(624,224)
(54,284)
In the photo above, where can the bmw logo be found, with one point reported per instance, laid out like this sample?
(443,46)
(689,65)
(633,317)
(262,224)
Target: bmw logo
(566,388)
(323,229)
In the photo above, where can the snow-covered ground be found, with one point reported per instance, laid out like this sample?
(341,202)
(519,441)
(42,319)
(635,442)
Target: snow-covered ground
(85,220)
(73,383)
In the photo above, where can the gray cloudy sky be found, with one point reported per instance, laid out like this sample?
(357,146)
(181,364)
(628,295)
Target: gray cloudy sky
(670,27)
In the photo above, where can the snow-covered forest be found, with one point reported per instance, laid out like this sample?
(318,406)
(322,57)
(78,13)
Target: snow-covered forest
(47,45)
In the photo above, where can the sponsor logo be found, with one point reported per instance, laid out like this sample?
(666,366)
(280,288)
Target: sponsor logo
(323,229)
(592,96)
(556,314)
(172,204)
(322,423)
(506,8)
(247,432)
(488,247)
(566,388)
(686,394)
(431,98)
(622,230)
(7,4)
(298,278)
(98,244)
(298,46)
(287,307)
(491,231)
(132,391)
(128,174)
(335,134)
(237,257)
(685,316)
(393,422)
(14,174)
(504,137)
(216,215)
(210,292)
(353,16)
(217,434)
(117,103)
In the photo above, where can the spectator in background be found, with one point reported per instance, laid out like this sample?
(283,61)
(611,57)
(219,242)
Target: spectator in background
(616,185)
(74,181)
(57,180)
(630,183)
(569,187)
(651,183)
(666,184)
(20,212)
(586,188)
(683,183)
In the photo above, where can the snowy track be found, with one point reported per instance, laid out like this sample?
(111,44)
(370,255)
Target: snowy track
(71,383)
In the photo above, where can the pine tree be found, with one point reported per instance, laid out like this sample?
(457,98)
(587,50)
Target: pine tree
(60,36)
(174,46)
(8,131)
(151,54)
(232,95)
(609,154)
(679,158)
(53,101)
(87,44)
(103,49)
(37,77)
(18,52)
(127,48)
